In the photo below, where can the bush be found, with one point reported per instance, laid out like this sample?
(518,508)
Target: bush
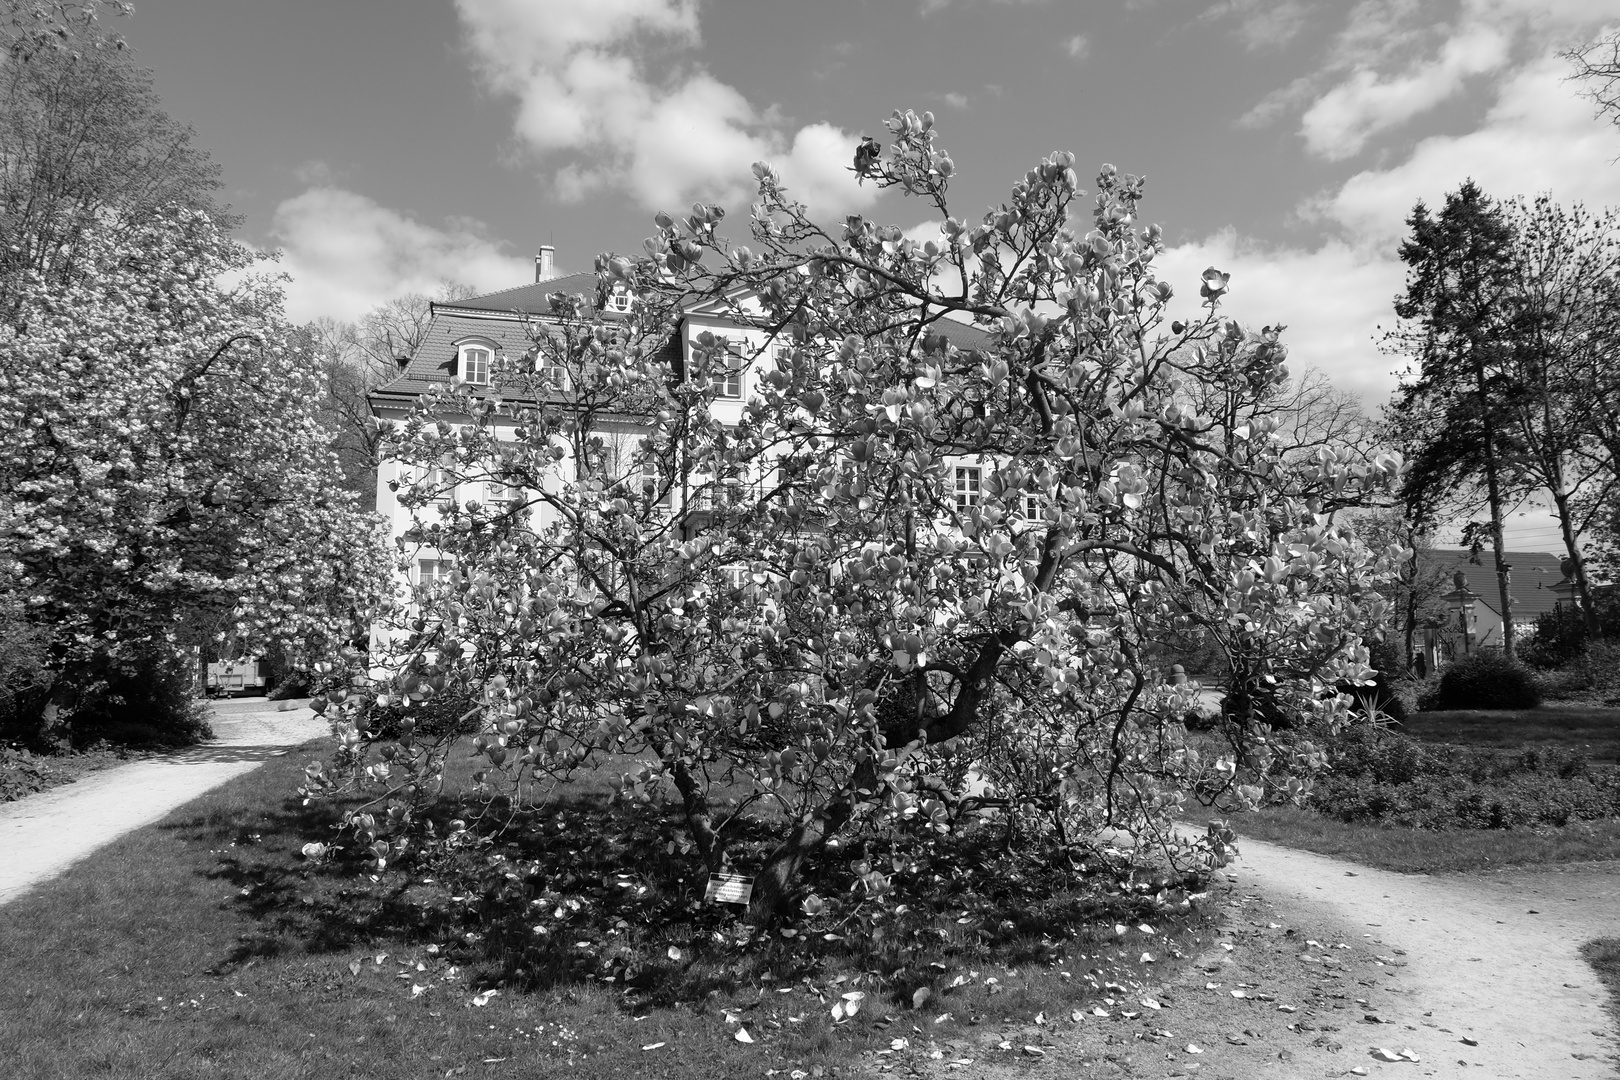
(1560,635)
(25,674)
(437,718)
(1388,778)
(148,701)
(21,773)
(295,685)
(1483,680)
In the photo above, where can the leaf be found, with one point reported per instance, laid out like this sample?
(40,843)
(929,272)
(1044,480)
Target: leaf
(1192,1048)
(354,967)
(485,998)
(1383,1054)
(654,1046)
(673,953)
(920,996)
(742,1035)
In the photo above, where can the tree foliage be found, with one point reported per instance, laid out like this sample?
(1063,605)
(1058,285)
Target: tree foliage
(354,359)
(1453,320)
(806,619)
(1563,369)
(85,142)
(1597,68)
(165,471)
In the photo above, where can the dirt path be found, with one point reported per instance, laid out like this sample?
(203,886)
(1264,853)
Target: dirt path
(42,835)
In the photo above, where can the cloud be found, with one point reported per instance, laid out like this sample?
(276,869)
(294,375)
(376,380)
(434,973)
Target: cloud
(1536,137)
(345,254)
(955,100)
(1394,60)
(608,89)
(1078,47)
(1262,24)
(1332,299)
(1341,121)
(929,7)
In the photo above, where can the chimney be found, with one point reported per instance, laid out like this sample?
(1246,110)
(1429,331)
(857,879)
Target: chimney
(545,263)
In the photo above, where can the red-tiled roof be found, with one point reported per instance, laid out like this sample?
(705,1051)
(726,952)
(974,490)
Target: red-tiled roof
(529,299)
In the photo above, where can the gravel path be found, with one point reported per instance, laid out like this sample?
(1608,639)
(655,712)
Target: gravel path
(42,835)
(1490,958)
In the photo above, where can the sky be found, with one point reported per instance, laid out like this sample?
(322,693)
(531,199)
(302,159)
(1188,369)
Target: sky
(385,147)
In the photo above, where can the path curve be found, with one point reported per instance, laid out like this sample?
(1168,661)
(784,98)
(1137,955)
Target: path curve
(44,834)
(1491,957)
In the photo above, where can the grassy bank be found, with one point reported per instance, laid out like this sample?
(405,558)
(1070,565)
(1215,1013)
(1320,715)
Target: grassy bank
(207,945)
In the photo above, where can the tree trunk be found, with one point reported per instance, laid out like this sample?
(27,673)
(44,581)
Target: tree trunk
(698,820)
(1583,585)
(776,878)
(1494,490)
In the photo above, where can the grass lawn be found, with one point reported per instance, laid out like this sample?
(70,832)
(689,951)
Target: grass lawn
(206,945)
(1604,956)
(1596,731)
(1426,851)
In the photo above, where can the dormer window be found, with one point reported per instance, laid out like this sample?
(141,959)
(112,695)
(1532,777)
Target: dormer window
(474,361)
(619,300)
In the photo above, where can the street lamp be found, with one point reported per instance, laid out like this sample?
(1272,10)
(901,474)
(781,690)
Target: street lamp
(1462,600)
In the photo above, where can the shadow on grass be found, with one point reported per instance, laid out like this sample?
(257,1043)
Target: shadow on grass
(583,892)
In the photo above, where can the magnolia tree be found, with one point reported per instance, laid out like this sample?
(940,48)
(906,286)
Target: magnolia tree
(164,468)
(810,617)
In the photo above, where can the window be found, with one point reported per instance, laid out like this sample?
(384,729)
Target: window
(432,571)
(475,364)
(439,486)
(728,380)
(619,300)
(550,374)
(501,494)
(967,487)
(1032,507)
(655,493)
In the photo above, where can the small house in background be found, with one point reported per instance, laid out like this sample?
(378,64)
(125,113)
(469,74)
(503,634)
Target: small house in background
(1474,604)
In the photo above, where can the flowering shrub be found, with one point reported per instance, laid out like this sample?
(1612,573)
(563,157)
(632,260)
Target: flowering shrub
(163,467)
(803,625)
